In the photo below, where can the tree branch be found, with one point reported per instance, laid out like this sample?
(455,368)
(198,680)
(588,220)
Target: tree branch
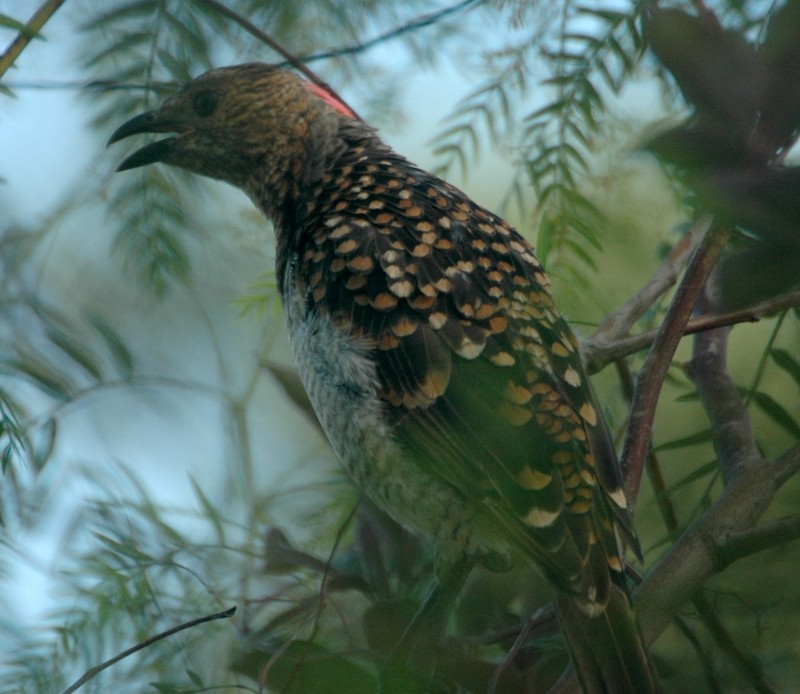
(694,558)
(39,19)
(97,669)
(424,20)
(599,353)
(742,544)
(733,438)
(651,378)
(617,324)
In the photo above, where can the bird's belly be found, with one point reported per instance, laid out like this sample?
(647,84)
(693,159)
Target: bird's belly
(340,378)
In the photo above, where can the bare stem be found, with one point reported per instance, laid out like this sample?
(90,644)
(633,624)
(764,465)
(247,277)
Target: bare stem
(97,669)
(734,443)
(739,545)
(618,324)
(651,378)
(39,19)
(599,353)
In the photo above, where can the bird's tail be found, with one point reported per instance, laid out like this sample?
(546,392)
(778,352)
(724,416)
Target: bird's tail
(607,650)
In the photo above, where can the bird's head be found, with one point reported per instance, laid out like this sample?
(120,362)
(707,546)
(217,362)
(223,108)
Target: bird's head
(260,128)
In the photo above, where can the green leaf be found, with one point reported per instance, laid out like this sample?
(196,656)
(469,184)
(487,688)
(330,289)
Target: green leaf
(701,472)
(123,549)
(21,27)
(75,352)
(43,376)
(123,359)
(692,440)
(777,413)
(143,8)
(787,362)
(42,452)
(192,675)
(305,666)
(210,511)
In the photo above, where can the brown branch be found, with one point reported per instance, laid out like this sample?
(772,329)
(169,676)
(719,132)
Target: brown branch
(733,438)
(749,670)
(599,353)
(617,324)
(693,559)
(39,19)
(752,540)
(653,466)
(424,20)
(651,378)
(97,669)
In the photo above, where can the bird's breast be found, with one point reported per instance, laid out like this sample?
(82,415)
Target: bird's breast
(340,376)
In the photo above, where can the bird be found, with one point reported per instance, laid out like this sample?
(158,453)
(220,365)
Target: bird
(425,334)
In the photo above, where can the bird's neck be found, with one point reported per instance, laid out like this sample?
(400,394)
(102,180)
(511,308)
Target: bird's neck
(293,204)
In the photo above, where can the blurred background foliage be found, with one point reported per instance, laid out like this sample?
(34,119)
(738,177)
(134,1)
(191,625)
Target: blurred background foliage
(158,460)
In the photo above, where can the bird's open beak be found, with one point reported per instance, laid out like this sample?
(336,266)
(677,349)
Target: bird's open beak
(149,154)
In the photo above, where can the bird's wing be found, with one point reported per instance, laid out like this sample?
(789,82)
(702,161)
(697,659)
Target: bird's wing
(479,373)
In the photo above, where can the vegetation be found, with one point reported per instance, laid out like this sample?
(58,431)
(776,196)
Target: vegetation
(649,152)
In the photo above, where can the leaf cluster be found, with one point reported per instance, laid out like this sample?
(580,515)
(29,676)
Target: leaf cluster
(745,119)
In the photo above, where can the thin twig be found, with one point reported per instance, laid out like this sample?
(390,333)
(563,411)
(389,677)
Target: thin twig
(543,614)
(618,324)
(292,59)
(651,378)
(656,477)
(715,627)
(748,665)
(705,660)
(598,354)
(39,19)
(97,669)
(350,49)
(742,544)
(323,592)
(420,22)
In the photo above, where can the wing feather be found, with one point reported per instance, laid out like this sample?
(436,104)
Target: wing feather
(479,374)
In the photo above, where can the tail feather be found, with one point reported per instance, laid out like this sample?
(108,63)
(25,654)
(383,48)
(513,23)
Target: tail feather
(607,650)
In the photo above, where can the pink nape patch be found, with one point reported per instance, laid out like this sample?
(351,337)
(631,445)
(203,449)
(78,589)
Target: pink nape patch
(331,100)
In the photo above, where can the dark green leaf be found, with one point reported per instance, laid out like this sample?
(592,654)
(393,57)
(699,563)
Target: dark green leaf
(75,351)
(21,27)
(787,362)
(686,441)
(777,412)
(192,675)
(121,355)
(701,472)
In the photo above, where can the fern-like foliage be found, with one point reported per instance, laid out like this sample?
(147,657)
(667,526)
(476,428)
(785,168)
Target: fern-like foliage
(587,53)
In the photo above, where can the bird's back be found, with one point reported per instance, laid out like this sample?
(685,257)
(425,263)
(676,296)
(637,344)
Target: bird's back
(445,377)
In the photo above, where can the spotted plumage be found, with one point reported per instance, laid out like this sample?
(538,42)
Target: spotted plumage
(428,341)
(478,374)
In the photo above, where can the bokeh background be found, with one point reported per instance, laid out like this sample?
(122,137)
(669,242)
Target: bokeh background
(150,444)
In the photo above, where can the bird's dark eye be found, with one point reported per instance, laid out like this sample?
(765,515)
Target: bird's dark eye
(204,103)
